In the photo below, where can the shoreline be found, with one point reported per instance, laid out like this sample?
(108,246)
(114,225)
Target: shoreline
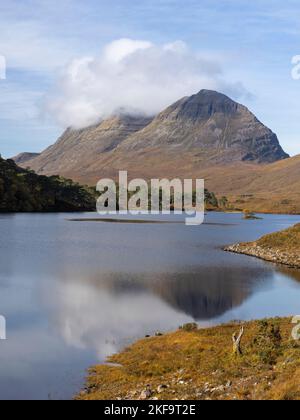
(269,255)
(280,248)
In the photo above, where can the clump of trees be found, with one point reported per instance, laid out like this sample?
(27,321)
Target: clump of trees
(22,190)
(211,199)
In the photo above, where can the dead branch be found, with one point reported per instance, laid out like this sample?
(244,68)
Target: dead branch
(236,339)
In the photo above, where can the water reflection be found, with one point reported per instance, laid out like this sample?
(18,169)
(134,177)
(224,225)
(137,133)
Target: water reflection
(204,294)
(75,293)
(103,311)
(289,272)
(94,317)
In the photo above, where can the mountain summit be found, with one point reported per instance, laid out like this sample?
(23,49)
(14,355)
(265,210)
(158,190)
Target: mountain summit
(214,126)
(196,132)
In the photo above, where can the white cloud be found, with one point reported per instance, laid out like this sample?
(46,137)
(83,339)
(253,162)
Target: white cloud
(132,76)
(119,50)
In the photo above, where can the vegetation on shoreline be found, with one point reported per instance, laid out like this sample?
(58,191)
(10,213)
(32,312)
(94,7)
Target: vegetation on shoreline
(22,190)
(280,247)
(193,364)
(287,240)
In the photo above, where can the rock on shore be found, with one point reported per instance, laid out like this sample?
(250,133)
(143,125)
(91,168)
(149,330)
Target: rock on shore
(268,254)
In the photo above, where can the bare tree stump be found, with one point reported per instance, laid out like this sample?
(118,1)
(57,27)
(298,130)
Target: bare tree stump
(236,339)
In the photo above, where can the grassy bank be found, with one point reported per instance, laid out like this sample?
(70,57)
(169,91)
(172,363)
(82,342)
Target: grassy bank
(281,247)
(200,364)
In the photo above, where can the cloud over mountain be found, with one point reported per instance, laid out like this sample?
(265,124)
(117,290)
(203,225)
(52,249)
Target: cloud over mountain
(132,76)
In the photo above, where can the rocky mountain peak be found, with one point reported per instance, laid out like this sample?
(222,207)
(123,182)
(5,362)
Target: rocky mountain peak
(203,105)
(202,130)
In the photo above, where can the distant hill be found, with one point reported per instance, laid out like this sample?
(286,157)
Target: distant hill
(262,188)
(22,158)
(24,191)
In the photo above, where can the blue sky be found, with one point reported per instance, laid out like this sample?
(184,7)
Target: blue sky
(252,42)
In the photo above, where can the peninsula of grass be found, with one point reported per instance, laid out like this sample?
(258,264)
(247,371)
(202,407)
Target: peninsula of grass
(200,364)
(281,247)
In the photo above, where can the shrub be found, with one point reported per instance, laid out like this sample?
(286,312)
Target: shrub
(189,327)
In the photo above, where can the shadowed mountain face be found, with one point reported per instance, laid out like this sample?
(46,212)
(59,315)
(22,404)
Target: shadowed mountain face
(201,130)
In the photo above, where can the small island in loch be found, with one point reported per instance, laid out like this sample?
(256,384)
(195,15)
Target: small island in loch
(204,364)
(280,247)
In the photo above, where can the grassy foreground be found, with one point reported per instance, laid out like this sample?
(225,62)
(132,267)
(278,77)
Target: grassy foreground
(281,247)
(193,364)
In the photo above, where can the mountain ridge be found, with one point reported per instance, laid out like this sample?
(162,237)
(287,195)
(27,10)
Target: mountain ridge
(79,146)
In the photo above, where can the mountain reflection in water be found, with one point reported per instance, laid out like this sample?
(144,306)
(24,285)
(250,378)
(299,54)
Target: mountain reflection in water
(202,295)
(104,311)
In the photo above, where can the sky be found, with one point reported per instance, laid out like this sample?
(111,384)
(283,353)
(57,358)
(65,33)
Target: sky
(72,62)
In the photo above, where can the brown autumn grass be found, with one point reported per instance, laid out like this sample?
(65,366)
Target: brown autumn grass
(280,247)
(287,240)
(200,364)
(267,188)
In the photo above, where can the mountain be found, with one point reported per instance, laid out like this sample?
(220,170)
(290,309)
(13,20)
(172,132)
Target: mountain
(212,126)
(207,128)
(207,135)
(24,191)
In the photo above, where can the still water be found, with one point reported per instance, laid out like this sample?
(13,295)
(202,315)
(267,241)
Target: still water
(73,293)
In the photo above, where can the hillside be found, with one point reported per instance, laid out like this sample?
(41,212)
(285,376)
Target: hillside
(76,150)
(281,247)
(24,191)
(272,188)
(200,365)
